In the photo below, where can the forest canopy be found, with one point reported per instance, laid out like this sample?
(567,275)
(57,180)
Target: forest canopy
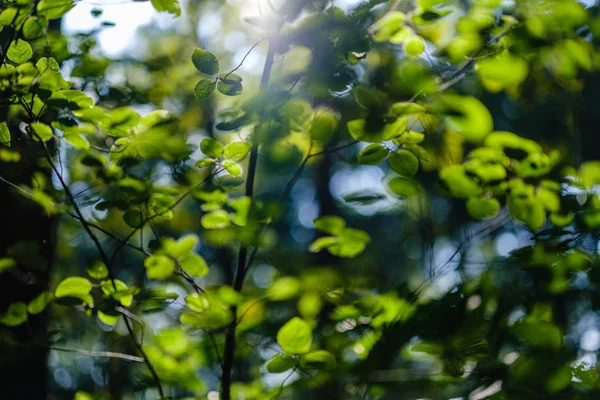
(290,199)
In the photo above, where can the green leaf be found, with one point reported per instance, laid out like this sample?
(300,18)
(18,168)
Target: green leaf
(403,187)
(236,151)
(52,81)
(428,347)
(173,341)
(295,337)
(93,114)
(331,224)
(134,218)
(204,88)
(169,6)
(15,315)
(7,16)
(404,162)
(310,305)
(194,265)
(211,147)
(322,243)
(215,220)
(414,46)
(97,270)
(6,263)
(539,334)
(39,303)
(47,64)
(468,117)
(197,302)
(502,71)
(42,131)
(76,140)
(159,267)
(72,99)
(358,130)
(4,134)
(280,363)
(418,151)
(122,294)
(410,138)
(120,121)
(230,86)
(54,9)
(557,219)
(229,296)
(351,242)
(205,62)
(369,99)
(182,247)
(389,25)
(373,154)
(19,51)
(406,108)
(205,162)
(232,167)
(108,319)
(459,183)
(323,125)
(214,317)
(34,27)
(482,207)
(501,140)
(75,287)
(318,359)
(241,205)
(285,288)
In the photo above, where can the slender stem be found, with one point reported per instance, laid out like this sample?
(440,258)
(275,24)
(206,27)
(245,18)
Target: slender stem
(229,352)
(112,236)
(243,59)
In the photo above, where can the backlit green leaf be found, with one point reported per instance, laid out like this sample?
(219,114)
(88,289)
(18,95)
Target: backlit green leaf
(481,207)
(318,359)
(41,131)
(75,287)
(170,6)
(211,147)
(19,51)
(331,224)
(216,220)
(373,154)
(204,88)
(194,265)
(295,337)
(230,85)
(4,134)
(236,151)
(280,363)
(159,267)
(15,315)
(39,303)
(205,62)
(404,162)
(97,270)
(403,187)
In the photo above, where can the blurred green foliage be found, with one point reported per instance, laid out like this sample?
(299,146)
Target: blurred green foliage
(402,203)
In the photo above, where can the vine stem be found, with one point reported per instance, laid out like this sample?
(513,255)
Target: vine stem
(229,351)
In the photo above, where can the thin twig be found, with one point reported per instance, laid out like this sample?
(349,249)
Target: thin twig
(243,59)
(108,354)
